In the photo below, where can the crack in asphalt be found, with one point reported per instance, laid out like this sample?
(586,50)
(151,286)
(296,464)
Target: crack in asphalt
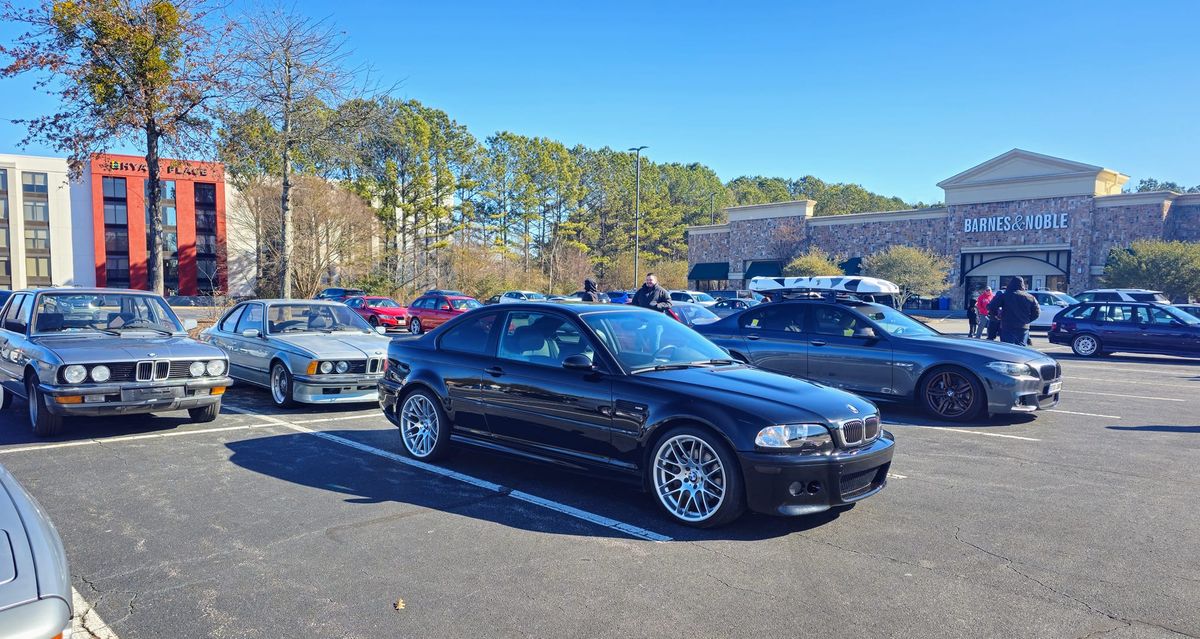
(733,587)
(868,554)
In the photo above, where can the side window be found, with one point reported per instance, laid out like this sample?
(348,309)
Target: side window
(1161,317)
(1080,312)
(354,303)
(788,318)
(542,338)
(1107,297)
(834,321)
(679,297)
(440,304)
(1118,313)
(12,319)
(1142,314)
(227,325)
(252,317)
(471,336)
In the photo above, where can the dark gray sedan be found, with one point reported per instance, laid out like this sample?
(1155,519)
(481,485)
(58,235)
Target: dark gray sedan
(35,585)
(880,352)
(91,352)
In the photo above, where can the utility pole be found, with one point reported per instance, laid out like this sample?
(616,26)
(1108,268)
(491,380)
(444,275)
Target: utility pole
(712,211)
(637,216)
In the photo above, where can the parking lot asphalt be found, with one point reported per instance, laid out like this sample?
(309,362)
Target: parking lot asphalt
(1077,522)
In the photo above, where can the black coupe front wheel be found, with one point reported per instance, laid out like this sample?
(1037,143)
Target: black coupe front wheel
(695,478)
(952,394)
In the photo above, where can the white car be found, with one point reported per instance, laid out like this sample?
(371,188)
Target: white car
(1050,304)
(694,297)
(1122,295)
(520,296)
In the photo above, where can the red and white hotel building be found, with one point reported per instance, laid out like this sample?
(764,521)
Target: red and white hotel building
(93,231)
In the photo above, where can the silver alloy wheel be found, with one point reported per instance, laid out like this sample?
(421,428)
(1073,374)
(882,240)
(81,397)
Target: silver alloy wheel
(34,400)
(689,478)
(419,425)
(279,384)
(414,327)
(1085,345)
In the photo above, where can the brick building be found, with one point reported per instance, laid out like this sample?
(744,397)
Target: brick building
(1049,220)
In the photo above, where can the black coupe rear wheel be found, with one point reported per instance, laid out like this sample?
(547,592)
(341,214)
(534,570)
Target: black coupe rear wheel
(952,394)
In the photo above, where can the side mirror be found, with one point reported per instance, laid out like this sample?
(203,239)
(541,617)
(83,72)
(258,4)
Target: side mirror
(445,307)
(381,330)
(189,324)
(866,333)
(251,332)
(578,362)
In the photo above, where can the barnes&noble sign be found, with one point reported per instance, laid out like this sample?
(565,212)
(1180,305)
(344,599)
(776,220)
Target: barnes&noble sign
(1016,223)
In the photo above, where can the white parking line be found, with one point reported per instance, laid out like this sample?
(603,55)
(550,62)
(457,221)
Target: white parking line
(963,430)
(600,520)
(1160,371)
(1161,399)
(87,622)
(129,438)
(1071,412)
(1131,381)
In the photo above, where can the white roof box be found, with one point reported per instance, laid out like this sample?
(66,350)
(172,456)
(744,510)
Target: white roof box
(839,283)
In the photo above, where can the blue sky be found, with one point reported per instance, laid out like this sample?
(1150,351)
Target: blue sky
(894,96)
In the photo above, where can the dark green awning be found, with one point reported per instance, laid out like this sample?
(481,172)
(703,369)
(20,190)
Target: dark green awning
(709,271)
(764,269)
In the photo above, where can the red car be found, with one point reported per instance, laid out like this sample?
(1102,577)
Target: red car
(380,311)
(431,311)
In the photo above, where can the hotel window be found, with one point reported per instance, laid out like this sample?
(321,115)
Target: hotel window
(37,270)
(37,240)
(206,275)
(116,270)
(5,277)
(116,240)
(116,231)
(34,183)
(166,206)
(37,229)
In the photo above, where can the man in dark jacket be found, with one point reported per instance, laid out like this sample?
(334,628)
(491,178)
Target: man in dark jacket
(590,292)
(652,296)
(1017,309)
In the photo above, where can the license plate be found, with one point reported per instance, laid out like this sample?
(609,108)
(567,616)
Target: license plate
(93,399)
(1053,388)
(150,394)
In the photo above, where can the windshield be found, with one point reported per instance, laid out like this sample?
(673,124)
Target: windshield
(313,318)
(1063,297)
(534,296)
(643,340)
(695,314)
(384,303)
(1150,297)
(103,312)
(895,322)
(1183,316)
(465,304)
(704,297)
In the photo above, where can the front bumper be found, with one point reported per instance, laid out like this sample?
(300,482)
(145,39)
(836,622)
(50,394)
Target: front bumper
(781,484)
(131,398)
(389,395)
(336,389)
(1020,394)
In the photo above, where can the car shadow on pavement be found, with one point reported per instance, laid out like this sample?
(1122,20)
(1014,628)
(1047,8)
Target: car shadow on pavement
(909,415)
(1158,428)
(365,479)
(1123,358)
(16,429)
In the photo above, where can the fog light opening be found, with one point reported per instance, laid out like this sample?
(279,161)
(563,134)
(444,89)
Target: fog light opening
(814,487)
(796,489)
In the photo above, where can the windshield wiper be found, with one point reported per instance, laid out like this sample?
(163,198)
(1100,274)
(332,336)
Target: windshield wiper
(719,362)
(145,327)
(666,367)
(72,329)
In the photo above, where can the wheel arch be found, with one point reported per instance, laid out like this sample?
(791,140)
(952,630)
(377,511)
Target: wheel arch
(655,434)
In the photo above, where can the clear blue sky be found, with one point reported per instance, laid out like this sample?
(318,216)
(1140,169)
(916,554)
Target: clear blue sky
(894,96)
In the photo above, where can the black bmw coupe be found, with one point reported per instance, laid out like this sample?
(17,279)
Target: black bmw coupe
(635,395)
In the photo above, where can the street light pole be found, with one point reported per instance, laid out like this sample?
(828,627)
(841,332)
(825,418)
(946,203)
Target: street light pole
(712,211)
(637,215)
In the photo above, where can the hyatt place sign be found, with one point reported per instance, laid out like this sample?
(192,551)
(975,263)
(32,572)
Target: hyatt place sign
(1016,223)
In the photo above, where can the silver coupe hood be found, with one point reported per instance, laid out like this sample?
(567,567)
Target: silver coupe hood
(339,345)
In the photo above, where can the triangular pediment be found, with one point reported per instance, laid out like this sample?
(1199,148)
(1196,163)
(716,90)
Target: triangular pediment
(1018,165)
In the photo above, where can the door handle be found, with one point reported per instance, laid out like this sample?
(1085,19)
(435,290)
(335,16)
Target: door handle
(817,342)
(495,371)
(753,338)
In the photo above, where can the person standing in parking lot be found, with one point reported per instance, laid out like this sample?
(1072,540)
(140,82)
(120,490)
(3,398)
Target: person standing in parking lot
(972,317)
(981,308)
(1017,310)
(652,296)
(590,292)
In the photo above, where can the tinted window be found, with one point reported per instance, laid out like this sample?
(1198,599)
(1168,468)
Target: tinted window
(1149,297)
(465,304)
(1107,297)
(1117,313)
(782,317)
(833,320)
(1079,312)
(679,297)
(252,317)
(470,336)
(231,319)
(13,318)
(542,338)
(354,303)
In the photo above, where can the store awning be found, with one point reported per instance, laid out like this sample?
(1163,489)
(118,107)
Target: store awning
(764,269)
(852,266)
(709,271)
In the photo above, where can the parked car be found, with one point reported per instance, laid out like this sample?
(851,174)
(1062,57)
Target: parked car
(339,294)
(495,299)
(1050,304)
(380,311)
(729,306)
(629,392)
(430,311)
(445,292)
(35,583)
(521,296)
(578,295)
(90,352)
(691,314)
(619,297)
(1122,295)
(878,351)
(736,294)
(1100,328)
(694,297)
(1190,309)
(311,352)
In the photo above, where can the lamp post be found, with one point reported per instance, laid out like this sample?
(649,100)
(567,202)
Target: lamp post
(712,211)
(637,214)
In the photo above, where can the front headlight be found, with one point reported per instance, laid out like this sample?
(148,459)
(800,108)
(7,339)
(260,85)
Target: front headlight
(101,373)
(342,367)
(1012,369)
(326,367)
(74,374)
(216,367)
(196,369)
(805,437)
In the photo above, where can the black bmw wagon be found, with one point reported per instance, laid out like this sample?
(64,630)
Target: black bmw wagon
(635,395)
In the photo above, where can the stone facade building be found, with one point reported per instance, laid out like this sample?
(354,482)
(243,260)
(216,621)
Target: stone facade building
(1050,220)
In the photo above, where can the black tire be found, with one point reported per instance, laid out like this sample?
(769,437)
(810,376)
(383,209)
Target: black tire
(423,425)
(43,422)
(415,327)
(373,321)
(6,398)
(205,414)
(281,396)
(679,442)
(1087,345)
(952,394)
